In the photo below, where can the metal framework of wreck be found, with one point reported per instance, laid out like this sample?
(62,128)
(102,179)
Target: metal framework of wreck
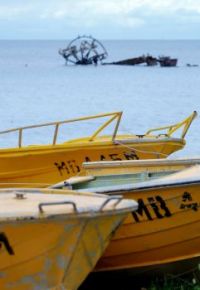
(84,50)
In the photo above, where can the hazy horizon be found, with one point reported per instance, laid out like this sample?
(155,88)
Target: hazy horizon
(103,19)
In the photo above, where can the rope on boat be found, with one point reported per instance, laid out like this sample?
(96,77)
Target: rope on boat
(141,151)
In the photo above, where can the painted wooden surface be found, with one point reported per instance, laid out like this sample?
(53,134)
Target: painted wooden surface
(42,165)
(48,243)
(165,228)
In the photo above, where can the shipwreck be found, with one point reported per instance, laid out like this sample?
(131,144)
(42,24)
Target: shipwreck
(148,60)
(85,50)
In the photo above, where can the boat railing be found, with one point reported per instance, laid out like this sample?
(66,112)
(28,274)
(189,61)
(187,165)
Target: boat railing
(112,117)
(41,205)
(116,199)
(115,116)
(185,124)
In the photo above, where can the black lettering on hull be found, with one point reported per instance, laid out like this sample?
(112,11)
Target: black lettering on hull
(142,209)
(157,204)
(4,241)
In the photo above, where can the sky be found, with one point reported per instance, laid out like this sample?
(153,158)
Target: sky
(104,19)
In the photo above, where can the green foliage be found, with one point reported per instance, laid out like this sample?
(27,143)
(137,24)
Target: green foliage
(175,283)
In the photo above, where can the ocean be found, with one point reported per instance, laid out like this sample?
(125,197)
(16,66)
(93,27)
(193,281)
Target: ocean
(37,86)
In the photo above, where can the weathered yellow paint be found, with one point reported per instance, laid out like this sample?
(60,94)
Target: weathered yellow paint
(53,246)
(41,165)
(160,240)
(166,226)
(106,168)
(165,229)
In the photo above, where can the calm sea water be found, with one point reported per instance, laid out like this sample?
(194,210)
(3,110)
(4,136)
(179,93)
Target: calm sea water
(36,86)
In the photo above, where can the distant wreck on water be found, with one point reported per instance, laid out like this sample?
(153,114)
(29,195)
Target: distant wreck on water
(148,60)
(85,50)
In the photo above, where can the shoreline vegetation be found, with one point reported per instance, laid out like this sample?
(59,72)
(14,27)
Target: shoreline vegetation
(189,280)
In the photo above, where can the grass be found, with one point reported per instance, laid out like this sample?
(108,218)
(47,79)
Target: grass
(175,283)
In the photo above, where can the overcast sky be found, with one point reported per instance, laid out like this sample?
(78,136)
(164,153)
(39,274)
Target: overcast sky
(104,19)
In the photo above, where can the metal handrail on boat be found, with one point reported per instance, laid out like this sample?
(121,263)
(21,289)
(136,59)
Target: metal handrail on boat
(113,116)
(117,198)
(172,128)
(41,205)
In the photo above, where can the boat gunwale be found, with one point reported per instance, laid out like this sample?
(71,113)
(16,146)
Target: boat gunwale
(114,116)
(141,162)
(140,186)
(120,206)
(73,145)
(90,215)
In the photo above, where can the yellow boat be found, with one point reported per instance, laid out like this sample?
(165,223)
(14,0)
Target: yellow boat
(41,165)
(52,241)
(130,167)
(165,228)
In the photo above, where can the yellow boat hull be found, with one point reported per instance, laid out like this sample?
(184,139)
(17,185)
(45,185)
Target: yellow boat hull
(45,243)
(38,254)
(44,165)
(165,229)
